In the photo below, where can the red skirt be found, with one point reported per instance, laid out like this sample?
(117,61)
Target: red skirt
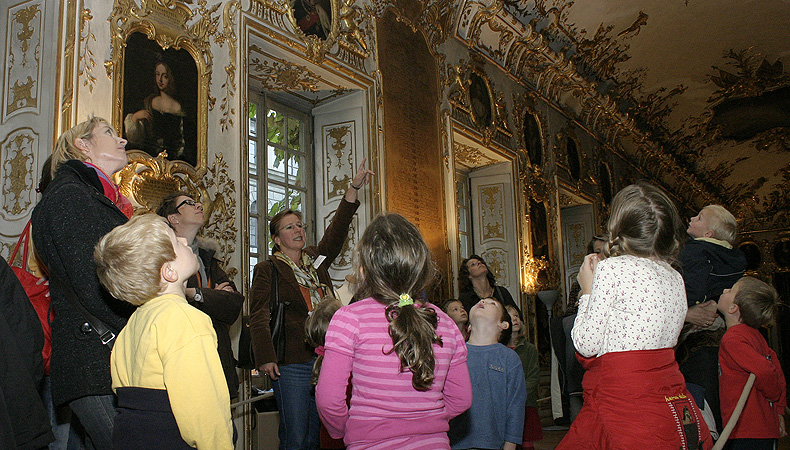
(533,431)
(636,400)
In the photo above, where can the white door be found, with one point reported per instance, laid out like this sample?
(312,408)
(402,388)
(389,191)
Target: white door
(494,223)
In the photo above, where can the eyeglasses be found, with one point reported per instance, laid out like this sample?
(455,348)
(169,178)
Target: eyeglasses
(290,227)
(188,201)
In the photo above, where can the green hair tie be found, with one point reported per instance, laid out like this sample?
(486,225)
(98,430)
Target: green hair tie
(404,300)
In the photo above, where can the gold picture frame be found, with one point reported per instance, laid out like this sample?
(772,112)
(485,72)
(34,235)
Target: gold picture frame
(317,23)
(165,23)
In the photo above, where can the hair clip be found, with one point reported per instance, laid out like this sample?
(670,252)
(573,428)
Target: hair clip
(405,299)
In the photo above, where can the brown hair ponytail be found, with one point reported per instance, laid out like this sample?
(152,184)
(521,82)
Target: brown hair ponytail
(394,260)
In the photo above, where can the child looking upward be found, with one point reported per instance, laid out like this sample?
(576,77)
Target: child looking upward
(496,418)
(406,357)
(631,311)
(749,305)
(165,367)
(455,309)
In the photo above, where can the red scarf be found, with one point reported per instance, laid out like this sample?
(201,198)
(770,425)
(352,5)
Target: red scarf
(112,192)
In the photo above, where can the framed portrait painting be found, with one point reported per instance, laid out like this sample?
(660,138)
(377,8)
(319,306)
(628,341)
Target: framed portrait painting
(160,100)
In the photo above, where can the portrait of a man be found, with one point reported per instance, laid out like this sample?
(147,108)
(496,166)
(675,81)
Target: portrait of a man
(314,17)
(160,100)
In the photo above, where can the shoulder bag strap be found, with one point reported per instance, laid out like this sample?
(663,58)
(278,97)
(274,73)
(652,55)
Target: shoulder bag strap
(105,334)
(22,242)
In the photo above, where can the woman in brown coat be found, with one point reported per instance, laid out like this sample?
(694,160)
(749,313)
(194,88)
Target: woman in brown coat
(302,281)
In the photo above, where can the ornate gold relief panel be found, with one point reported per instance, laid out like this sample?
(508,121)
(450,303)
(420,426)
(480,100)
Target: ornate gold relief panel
(492,215)
(146,180)
(24,29)
(339,156)
(343,262)
(172,25)
(18,152)
(497,260)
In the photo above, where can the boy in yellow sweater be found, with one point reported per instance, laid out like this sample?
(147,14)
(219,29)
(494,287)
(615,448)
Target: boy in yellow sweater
(165,367)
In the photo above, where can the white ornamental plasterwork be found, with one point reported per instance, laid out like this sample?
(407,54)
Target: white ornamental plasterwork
(492,199)
(497,260)
(338,142)
(19,159)
(23,53)
(342,264)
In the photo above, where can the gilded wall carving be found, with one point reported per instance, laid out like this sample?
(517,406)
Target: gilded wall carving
(338,147)
(281,75)
(86,60)
(146,180)
(497,260)
(23,52)
(492,215)
(229,85)
(18,156)
(471,156)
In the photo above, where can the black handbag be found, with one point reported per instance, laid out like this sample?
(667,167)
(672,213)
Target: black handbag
(277,317)
(246,356)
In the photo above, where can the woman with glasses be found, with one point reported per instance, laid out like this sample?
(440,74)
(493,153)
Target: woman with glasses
(210,290)
(302,281)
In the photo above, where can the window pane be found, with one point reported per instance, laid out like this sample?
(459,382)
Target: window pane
(460,192)
(276,164)
(274,127)
(293,133)
(295,168)
(253,196)
(253,116)
(254,234)
(462,221)
(253,157)
(297,198)
(464,247)
(253,262)
(276,197)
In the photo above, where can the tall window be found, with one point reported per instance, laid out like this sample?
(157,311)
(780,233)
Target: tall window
(464,216)
(279,161)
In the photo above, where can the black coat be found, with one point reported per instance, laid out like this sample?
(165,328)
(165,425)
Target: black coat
(67,224)
(708,269)
(24,422)
(223,308)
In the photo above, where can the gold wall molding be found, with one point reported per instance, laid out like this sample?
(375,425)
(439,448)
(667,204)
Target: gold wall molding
(493,222)
(146,180)
(228,87)
(86,61)
(24,33)
(19,157)
(68,98)
(168,23)
(280,75)
(471,156)
(338,141)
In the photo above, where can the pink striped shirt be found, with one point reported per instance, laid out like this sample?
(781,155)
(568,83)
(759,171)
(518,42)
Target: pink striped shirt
(386,412)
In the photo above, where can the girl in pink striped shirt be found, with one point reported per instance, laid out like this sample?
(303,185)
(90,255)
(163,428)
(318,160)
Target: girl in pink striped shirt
(405,356)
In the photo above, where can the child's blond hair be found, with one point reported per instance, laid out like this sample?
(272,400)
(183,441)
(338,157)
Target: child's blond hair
(723,225)
(315,329)
(129,258)
(757,301)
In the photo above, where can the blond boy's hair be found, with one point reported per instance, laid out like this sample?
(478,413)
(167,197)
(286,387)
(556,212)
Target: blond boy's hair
(757,301)
(723,225)
(64,146)
(129,258)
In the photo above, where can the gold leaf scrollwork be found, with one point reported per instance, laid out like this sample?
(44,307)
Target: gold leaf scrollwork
(217,191)
(22,72)
(282,75)
(87,61)
(229,85)
(18,170)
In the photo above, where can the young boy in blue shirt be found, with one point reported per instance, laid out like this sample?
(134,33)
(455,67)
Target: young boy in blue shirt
(496,418)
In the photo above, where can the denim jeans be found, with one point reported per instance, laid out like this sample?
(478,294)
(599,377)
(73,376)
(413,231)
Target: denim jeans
(96,414)
(299,422)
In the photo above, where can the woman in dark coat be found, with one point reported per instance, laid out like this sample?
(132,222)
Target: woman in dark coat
(477,282)
(303,279)
(80,206)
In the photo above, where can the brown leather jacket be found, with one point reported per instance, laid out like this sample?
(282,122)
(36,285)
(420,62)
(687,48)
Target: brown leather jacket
(296,350)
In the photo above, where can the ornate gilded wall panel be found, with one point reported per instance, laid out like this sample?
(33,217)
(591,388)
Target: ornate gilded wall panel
(497,260)
(24,29)
(492,215)
(18,152)
(339,143)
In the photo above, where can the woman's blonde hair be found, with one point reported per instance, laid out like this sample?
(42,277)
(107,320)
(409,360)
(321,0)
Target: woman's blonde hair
(64,146)
(315,329)
(129,258)
(644,222)
(395,260)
